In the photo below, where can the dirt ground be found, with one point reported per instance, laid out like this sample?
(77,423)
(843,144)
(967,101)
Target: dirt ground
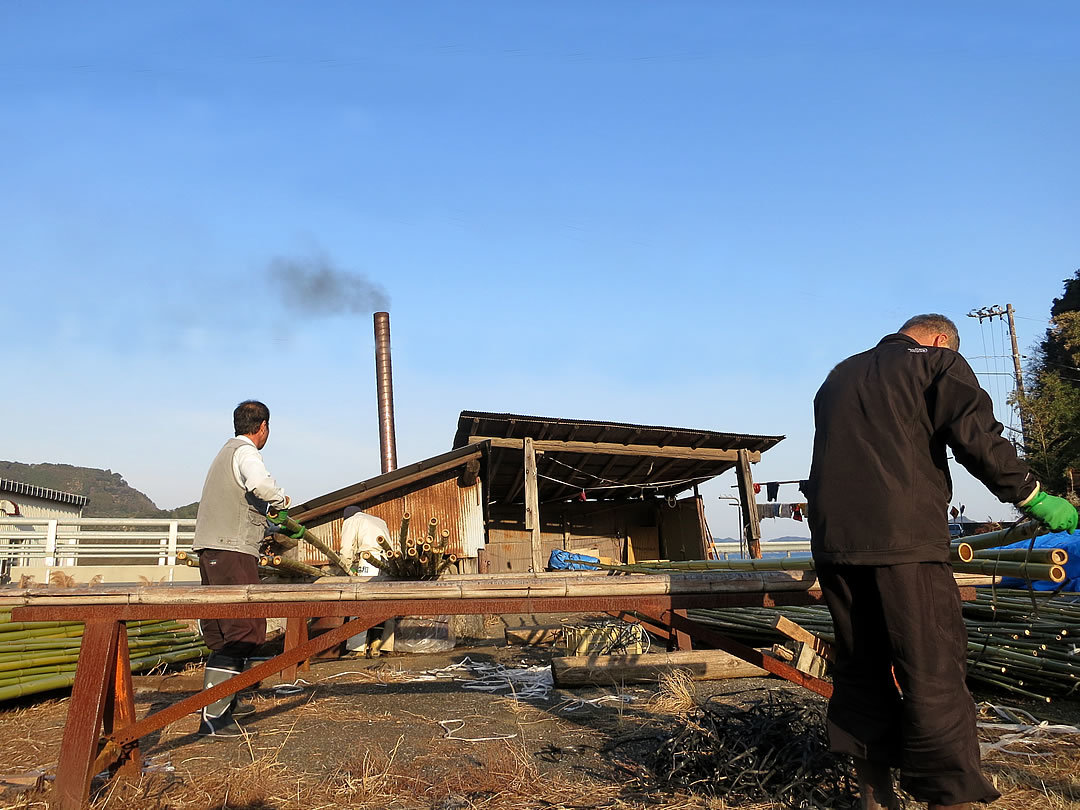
(404,732)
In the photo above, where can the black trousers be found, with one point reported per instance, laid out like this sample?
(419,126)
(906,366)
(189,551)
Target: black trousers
(904,619)
(236,638)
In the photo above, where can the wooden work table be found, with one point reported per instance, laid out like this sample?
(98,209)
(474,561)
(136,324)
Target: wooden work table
(102,731)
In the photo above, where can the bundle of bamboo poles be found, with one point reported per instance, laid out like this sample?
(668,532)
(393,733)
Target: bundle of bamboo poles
(270,564)
(974,555)
(425,557)
(1018,641)
(40,656)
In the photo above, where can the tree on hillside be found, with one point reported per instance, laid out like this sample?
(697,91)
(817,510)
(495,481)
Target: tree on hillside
(1051,409)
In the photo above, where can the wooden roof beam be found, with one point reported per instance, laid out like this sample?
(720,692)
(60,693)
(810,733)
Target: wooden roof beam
(617,449)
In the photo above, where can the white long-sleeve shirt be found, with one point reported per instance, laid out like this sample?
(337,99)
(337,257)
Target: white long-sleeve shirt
(251,473)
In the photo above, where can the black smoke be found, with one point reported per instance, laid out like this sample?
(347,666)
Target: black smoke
(317,287)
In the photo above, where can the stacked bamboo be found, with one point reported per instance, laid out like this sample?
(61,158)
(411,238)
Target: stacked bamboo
(426,557)
(974,555)
(1018,641)
(40,656)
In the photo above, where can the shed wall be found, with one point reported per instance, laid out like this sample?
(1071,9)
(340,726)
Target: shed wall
(460,509)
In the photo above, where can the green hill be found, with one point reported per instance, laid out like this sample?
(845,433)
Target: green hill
(110,495)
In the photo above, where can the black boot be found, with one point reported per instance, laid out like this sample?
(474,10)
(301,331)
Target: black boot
(217,718)
(875,785)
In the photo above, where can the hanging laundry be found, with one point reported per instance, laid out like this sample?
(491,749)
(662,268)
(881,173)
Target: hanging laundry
(757,489)
(804,485)
(772,489)
(796,512)
(768,510)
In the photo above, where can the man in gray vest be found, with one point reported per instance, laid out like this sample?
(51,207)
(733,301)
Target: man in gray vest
(229,530)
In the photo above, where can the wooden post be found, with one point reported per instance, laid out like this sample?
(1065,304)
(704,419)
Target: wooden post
(296,633)
(532,505)
(94,679)
(120,703)
(751,521)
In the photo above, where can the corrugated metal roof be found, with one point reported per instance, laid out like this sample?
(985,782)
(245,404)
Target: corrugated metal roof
(31,491)
(608,469)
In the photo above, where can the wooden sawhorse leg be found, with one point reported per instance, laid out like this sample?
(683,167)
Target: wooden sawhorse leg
(296,633)
(96,676)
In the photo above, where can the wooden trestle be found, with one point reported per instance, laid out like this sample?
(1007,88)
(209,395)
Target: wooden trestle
(102,730)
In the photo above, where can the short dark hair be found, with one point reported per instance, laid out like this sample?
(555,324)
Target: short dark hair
(248,415)
(933,322)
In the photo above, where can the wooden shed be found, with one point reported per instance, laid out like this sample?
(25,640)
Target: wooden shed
(611,489)
(516,487)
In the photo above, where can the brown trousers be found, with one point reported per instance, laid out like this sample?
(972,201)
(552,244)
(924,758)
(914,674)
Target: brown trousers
(904,619)
(233,637)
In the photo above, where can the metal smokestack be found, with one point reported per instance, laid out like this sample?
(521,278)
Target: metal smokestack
(385,383)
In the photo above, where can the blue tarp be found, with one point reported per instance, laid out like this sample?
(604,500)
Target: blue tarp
(566,561)
(1069,542)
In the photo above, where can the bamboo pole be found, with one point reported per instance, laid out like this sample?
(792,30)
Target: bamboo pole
(961,551)
(1029,571)
(295,567)
(1045,556)
(1003,537)
(403,534)
(301,533)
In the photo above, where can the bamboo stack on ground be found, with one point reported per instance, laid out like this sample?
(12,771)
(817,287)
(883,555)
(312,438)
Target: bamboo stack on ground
(1018,641)
(41,656)
(425,558)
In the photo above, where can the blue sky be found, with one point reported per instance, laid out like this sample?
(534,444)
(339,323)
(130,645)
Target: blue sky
(677,213)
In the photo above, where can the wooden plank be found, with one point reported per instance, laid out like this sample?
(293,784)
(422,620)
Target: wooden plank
(776,667)
(532,504)
(751,521)
(799,633)
(94,679)
(534,635)
(617,449)
(608,670)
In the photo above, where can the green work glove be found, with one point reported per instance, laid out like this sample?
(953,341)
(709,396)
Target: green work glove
(300,532)
(280,518)
(1057,513)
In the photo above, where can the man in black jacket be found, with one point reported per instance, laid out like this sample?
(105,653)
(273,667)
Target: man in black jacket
(878,492)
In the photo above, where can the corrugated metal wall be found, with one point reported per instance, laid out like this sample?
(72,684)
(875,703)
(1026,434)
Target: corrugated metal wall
(38,508)
(458,509)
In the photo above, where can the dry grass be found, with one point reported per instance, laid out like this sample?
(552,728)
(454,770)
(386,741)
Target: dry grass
(677,694)
(434,773)
(1045,776)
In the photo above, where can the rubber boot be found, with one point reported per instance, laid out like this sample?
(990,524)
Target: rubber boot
(217,718)
(242,705)
(875,786)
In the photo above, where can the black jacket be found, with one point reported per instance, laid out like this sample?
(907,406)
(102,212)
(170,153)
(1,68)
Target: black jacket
(879,480)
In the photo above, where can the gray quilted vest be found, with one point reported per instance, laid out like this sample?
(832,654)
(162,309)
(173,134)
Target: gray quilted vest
(230,518)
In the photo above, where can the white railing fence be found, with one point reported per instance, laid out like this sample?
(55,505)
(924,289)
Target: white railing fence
(732,549)
(62,542)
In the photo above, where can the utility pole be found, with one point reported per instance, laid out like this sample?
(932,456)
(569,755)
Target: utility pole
(1007,314)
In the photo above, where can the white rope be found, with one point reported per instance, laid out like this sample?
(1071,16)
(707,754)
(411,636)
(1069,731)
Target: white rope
(450,733)
(578,703)
(1027,732)
(523,683)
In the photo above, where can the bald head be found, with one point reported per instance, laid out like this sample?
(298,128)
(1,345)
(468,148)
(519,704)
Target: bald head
(932,330)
